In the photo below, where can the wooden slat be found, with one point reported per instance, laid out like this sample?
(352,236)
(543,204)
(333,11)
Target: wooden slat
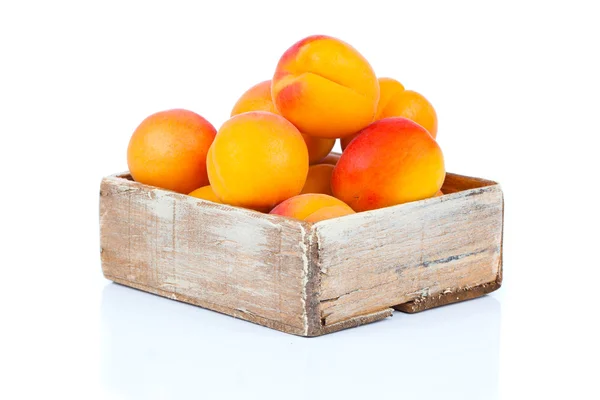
(456,183)
(384,258)
(448,297)
(301,278)
(236,261)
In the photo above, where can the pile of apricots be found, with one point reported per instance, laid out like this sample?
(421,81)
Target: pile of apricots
(274,154)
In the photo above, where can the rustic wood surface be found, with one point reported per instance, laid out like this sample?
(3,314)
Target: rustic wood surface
(301,278)
(442,299)
(410,253)
(456,183)
(239,262)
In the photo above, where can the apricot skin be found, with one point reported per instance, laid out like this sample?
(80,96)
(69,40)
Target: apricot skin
(414,106)
(205,193)
(318,179)
(302,206)
(258,159)
(345,141)
(258,98)
(168,150)
(329,213)
(395,101)
(325,87)
(388,88)
(393,161)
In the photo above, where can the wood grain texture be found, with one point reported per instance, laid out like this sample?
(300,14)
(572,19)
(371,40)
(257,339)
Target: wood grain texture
(240,262)
(301,278)
(447,297)
(383,258)
(456,183)
(354,322)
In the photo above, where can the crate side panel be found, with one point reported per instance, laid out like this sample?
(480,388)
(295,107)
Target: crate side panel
(456,183)
(371,261)
(234,259)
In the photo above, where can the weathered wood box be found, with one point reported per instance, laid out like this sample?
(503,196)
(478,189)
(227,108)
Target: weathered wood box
(302,278)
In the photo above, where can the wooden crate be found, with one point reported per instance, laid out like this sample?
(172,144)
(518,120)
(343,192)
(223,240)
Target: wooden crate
(302,278)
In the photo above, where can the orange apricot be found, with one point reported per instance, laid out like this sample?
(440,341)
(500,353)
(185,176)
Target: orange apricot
(257,160)
(388,88)
(392,161)
(302,206)
(329,213)
(168,150)
(318,148)
(414,106)
(258,98)
(318,179)
(205,193)
(325,87)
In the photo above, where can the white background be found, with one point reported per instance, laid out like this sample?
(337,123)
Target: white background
(516,86)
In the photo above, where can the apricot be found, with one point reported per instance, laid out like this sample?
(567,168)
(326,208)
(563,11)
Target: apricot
(318,148)
(257,160)
(318,179)
(414,106)
(258,98)
(345,141)
(302,206)
(328,213)
(205,193)
(325,87)
(392,161)
(438,193)
(388,88)
(331,158)
(168,150)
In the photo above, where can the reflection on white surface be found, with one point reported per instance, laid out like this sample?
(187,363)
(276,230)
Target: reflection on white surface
(155,348)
